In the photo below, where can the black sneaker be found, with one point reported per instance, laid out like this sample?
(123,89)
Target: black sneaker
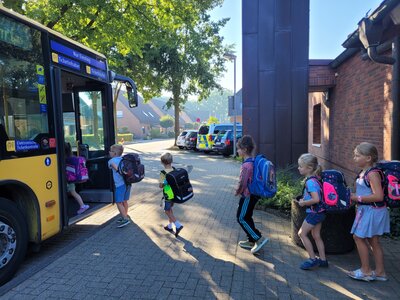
(169,229)
(178,230)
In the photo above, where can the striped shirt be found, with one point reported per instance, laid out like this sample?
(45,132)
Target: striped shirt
(245,177)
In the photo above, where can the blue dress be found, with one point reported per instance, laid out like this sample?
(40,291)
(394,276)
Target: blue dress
(370,220)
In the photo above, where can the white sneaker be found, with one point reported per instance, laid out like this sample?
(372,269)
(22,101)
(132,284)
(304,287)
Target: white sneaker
(259,244)
(124,223)
(246,244)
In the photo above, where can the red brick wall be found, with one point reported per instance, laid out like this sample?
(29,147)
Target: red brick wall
(359,110)
(321,75)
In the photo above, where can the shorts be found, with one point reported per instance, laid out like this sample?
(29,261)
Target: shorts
(168,205)
(122,193)
(315,218)
(70,187)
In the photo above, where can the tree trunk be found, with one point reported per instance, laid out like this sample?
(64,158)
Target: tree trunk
(176,95)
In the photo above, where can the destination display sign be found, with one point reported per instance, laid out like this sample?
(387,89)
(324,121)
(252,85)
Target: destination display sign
(78,61)
(16,34)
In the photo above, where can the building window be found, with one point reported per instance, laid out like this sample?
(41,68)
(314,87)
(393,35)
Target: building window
(317,124)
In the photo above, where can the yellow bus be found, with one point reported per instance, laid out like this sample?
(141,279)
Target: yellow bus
(52,90)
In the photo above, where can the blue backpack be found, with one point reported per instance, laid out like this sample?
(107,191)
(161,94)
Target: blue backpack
(264,178)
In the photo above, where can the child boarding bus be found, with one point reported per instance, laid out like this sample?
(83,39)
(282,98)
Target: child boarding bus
(53,90)
(208,132)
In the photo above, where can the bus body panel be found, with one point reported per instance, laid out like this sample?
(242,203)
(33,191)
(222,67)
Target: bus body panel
(42,174)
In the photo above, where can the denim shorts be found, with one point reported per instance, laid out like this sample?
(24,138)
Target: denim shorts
(315,218)
(122,193)
(168,205)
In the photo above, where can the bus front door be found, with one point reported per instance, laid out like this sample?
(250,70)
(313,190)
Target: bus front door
(86,129)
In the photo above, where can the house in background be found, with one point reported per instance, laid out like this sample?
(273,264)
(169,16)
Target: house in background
(355,97)
(138,120)
(160,106)
(238,107)
(142,119)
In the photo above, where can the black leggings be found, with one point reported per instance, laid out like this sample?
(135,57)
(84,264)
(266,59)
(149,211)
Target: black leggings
(244,217)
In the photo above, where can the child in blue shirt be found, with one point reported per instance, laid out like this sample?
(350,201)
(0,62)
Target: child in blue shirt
(122,191)
(309,167)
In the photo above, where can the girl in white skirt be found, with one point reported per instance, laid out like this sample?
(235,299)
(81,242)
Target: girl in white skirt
(372,218)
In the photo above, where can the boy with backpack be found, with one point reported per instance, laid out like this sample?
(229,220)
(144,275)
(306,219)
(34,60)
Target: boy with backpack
(166,161)
(122,190)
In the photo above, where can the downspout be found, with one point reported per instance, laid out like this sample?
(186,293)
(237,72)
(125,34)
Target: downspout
(370,34)
(395,144)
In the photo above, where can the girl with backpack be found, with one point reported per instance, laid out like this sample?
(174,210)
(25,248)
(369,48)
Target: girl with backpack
(71,186)
(255,241)
(372,217)
(309,167)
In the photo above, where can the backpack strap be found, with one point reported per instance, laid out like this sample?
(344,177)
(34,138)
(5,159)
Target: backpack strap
(250,159)
(372,169)
(318,180)
(368,184)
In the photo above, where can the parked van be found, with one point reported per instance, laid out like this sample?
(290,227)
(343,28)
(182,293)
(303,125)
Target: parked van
(207,134)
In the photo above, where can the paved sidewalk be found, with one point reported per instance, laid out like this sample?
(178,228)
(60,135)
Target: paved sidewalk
(143,261)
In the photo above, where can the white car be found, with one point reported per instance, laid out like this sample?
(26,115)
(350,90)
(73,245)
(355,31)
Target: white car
(180,140)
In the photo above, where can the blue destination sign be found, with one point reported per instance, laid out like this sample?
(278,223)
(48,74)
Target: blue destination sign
(98,73)
(69,62)
(77,55)
(26,145)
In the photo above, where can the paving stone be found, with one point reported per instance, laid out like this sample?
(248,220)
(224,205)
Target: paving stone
(142,261)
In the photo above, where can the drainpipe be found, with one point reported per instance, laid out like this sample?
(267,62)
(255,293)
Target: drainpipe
(370,34)
(395,144)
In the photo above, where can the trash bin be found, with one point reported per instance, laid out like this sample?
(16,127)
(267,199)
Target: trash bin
(335,230)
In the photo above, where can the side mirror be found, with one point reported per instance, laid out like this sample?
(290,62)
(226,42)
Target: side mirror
(132,95)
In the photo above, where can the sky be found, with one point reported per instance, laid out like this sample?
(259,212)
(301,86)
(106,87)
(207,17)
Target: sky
(330,24)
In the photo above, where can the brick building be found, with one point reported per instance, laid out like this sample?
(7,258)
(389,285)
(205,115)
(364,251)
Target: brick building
(354,98)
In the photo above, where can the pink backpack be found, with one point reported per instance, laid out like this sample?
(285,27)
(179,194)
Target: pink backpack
(76,169)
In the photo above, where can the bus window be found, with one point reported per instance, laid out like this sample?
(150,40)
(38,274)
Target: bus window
(91,119)
(23,98)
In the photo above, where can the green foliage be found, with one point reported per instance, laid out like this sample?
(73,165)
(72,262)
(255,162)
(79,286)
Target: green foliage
(171,134)
(123,130)
(167,121)
(189,125)
(212,120)
(289,186)
(128,137)
(155,133)
(164,45)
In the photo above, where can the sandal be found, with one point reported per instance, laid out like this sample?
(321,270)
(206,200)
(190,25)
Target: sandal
(379,278)
(359,275)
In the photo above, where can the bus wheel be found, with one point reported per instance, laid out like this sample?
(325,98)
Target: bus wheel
(13,239)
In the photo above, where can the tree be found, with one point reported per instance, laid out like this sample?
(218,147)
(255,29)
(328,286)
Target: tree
(166,121)
(212,119)
(187,60)
(165,45)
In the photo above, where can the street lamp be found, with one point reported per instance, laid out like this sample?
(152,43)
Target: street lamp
(230,56)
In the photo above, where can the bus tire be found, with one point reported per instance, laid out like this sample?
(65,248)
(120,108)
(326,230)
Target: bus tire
(13,239)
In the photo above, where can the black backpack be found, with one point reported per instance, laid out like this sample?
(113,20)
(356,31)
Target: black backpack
(178,179)
(131,168)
